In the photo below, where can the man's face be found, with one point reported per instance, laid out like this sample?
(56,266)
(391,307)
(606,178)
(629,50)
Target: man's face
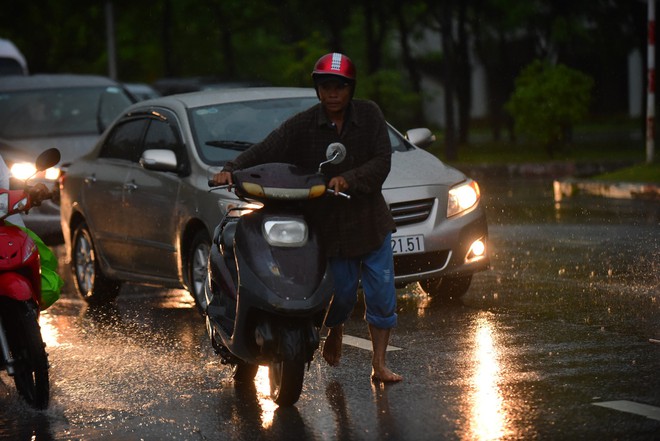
(335,95)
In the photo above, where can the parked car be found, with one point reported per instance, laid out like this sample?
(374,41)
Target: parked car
(141,91)
(172,86)
(138,207)
(12,61)
(69,112)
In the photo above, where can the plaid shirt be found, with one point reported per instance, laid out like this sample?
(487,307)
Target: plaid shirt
(348,227)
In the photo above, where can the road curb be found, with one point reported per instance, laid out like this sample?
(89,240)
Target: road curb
(567,181)
(567,188)
(556,170)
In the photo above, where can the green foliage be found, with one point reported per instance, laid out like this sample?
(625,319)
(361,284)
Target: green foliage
(548,101)
(388,89)
(637,173)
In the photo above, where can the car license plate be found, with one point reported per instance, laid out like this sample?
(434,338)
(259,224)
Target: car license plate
(408,244)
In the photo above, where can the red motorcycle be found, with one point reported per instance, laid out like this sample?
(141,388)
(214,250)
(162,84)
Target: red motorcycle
(22,350)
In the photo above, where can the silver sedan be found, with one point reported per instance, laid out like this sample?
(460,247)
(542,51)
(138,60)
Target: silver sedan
(138,207)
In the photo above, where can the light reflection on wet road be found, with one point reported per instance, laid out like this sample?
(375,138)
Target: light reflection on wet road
(564,320)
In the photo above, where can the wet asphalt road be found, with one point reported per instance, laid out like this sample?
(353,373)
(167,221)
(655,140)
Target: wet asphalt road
(560,339)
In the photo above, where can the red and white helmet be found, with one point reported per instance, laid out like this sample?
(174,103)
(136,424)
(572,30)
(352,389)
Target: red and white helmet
(335,64)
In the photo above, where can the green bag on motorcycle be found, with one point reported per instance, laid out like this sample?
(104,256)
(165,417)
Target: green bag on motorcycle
(51,282)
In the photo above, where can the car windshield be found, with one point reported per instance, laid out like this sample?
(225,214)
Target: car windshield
(222,131)
(59,112)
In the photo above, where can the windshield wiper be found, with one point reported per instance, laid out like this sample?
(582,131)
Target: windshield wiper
(232,145)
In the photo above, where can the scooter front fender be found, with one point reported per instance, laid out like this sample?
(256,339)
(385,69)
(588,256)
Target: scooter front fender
(15,286)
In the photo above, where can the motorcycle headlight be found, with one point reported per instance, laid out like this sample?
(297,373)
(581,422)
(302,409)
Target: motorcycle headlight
(462,197)
(285,232)
(29,249)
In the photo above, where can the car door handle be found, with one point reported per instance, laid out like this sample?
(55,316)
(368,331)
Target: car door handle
(130,186)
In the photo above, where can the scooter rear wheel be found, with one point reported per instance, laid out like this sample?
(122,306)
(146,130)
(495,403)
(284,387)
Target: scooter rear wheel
(28,351)
(286,381)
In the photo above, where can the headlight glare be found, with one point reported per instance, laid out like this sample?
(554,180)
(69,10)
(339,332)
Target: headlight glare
(462,197)
(477,250)
(52,174)
(22,170)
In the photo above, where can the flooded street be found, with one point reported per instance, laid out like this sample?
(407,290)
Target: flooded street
(560,339)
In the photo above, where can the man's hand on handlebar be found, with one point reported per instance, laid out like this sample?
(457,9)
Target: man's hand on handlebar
(338,184)
(38,193)
(222,178)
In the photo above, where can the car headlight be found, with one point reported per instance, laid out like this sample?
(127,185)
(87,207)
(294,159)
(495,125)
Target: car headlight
(52,174)
(462,197)
(22,170)
(285,232)
(25,170)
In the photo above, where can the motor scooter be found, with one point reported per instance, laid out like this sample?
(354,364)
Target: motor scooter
(268,285)
(22,350)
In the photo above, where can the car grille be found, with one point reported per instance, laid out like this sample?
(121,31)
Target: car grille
(411,212)
(418,263)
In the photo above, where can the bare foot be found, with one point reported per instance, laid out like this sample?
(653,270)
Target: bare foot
(385,375)
(332,345)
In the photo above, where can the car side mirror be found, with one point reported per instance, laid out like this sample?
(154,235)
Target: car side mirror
(421,137)
(159,160)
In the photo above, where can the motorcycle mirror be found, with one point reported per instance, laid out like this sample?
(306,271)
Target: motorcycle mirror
(47,159)
(335,154)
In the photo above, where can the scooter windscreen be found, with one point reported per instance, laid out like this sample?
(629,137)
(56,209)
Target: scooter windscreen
(279,181)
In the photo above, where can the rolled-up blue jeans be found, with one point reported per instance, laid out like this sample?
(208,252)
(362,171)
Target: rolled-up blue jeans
(376,270)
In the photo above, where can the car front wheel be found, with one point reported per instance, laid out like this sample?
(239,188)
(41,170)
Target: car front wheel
(197,264)
(92,285)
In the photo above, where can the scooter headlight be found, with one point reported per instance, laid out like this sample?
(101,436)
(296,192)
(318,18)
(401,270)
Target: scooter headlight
(285,232)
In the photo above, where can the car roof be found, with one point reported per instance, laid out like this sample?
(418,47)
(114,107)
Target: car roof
(53,81)
(210,97)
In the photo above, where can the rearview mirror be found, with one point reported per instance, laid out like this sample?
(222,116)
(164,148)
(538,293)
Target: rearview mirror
(47,159)
(335,154)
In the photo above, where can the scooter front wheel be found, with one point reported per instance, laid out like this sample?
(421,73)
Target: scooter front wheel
(243,372)
(28,350)
(286,381)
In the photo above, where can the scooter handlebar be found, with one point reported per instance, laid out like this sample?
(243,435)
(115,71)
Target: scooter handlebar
(40,193)
(339,193)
